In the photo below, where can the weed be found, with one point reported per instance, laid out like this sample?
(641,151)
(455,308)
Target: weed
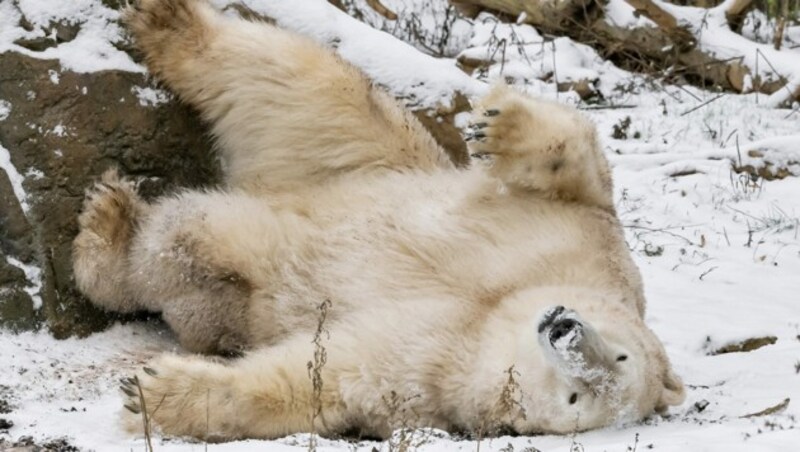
(428,25)
(745,185)
(635,444)
(620,131)
(404,421)
(315,367)
(146,426)
(507,408)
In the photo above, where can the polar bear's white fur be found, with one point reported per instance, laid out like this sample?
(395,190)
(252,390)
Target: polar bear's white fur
(502,295)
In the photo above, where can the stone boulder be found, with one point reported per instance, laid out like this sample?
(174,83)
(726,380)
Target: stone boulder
(60,131)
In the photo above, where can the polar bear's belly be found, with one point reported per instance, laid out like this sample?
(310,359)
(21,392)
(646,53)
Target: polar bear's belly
(430,237)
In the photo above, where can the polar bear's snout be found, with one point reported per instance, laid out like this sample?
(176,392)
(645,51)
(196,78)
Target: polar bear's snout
(573,346)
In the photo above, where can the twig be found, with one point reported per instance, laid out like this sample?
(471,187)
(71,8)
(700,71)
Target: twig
(688,92)
(606,107)
(796,109)
(785,85)
(757,89)
(208,412)
(555,70)
(703,275)
(663,230)
(145,419)
(778,38)
(703,104)
(771,410)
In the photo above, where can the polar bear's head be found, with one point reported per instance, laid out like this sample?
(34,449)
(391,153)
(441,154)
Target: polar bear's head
(593,363)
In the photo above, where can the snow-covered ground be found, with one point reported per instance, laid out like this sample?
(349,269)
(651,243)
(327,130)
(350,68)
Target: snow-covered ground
(719,253)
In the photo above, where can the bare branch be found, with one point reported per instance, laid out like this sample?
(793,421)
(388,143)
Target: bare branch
(666,21)
(381,9)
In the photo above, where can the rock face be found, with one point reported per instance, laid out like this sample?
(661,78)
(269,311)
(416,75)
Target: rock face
(61,130)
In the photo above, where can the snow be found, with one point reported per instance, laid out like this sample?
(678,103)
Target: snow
(54,77)
(622,14)
(5,109)
(14,177)
(420,80)
(536,63)
(719,251)
(34,276)
(91,50)
(428,25)
(715,36)
(150,97)
(58,130)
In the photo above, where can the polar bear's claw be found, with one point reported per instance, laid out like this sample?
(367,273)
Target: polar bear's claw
(133,408)
(128,391)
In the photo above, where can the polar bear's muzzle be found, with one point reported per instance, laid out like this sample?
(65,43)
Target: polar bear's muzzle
(573,346)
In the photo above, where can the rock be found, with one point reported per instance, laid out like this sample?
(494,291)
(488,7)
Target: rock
(775,409)
(769,164)
(5,395)
(28,444)
(747,345)
(62,133)
(441,123)
(54,34)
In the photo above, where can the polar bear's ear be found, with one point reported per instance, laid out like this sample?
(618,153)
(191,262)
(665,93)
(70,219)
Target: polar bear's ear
(673,394)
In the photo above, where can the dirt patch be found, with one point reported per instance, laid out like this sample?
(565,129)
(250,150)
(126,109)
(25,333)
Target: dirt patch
(747,345)
(27,444)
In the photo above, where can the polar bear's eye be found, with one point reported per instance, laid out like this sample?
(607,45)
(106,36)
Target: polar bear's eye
(622,357)
(573,398)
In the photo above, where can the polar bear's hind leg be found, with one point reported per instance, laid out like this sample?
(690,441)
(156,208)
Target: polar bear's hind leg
(285,110)
(110,216)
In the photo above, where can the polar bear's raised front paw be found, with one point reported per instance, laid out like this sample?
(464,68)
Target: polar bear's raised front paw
(539,146)
(496,131)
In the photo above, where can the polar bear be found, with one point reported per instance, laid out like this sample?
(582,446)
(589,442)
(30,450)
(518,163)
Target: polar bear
(367,281)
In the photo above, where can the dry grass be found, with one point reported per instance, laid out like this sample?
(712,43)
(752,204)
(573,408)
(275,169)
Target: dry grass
(315,367)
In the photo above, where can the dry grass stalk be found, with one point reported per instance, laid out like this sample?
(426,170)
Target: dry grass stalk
(145,418)
(315,371)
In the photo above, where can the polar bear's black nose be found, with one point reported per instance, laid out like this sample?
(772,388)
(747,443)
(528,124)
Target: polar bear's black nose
(550,317)
(561,328)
